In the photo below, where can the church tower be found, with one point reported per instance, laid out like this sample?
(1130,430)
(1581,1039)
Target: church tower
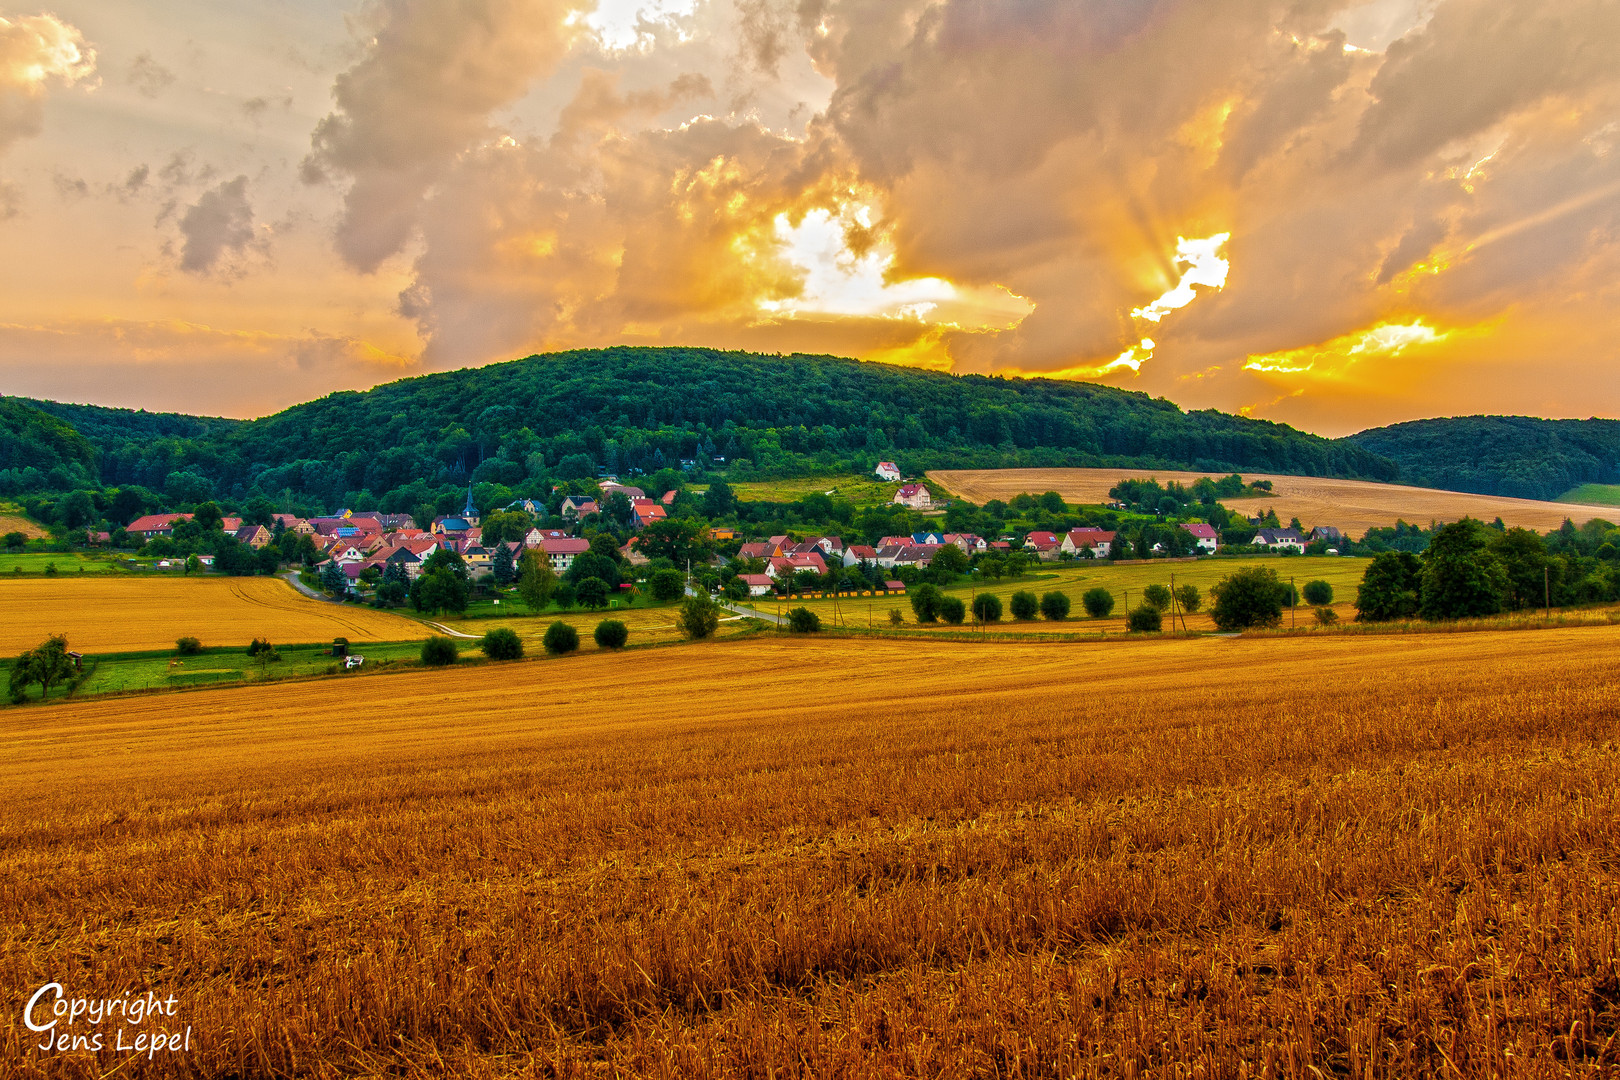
(471,511)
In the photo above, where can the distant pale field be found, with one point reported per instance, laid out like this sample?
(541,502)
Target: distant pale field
(1336,856)
(128,614)
(1352,505)
(1593,494)
(17,523)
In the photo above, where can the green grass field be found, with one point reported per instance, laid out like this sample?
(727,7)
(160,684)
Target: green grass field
(67,562)
(860,490)
(1593,495)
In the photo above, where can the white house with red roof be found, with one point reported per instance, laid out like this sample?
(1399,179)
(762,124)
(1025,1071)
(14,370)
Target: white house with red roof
(1204,533)
(888,472)
(148,526)
(561,552)
(914,496)
(758,584)
(1045,545)
(788,565)
(1100,542)
(859,553)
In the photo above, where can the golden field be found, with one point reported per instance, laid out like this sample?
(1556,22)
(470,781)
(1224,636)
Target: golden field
(789,857)
(14,522)
(124,614)
(1352,505)
(647,625)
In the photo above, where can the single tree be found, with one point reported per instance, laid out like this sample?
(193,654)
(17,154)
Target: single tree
(501,565)
(1326,616)
(948,563)
(1390,588)
(563,596)
(611,634)
(560,638)
(896,617)
(440,590)
(1249,597)
(1055,606)
(1318,593)
(536,581)
(188,646)
(1023,605)
(952,610)
(699,617)
(593,593)
(1156,597)
(801,620)
(47,664)
(208,517)
(333,579)
(1146,619)
(925,602)
(667,586)
(987,607)
(1098,602)
(437,651)
(15,541)
(1188,597)
(502,643)
(719,500)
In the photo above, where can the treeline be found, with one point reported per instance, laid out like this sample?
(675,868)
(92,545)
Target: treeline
(514,428)
(1518,456)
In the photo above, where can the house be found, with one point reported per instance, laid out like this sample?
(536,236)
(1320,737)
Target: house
(480,560)
(859,553)
(758,584)
(451,525)
(1204,534)
(1099,542)
(759,549)
(1327,534)
(560,553)
(787,565)
(969,543)
(149,526)
(647,512)
(905,555)
(1280,539)
(915,496)
(527,506)
(578,506)
(668,498)
(722,532)
(932,539)
(254,536)
(895,586)
(1045,545)
(888,472)
(632,493)
(533,537)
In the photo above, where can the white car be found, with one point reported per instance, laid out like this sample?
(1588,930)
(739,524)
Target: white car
(352,662)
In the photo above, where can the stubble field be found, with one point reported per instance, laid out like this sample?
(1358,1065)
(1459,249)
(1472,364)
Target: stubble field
(1352,505)
(788,857)
(131,614)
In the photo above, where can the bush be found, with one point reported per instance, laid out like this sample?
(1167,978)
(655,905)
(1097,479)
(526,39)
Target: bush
(699,618)
(1188,597)
(1055,606)
(1156,597)
(925,602)
(1146,619)
(667,586)
(437,651)
(987,607)
(611,634)
(502,643)
(255,647)
(952,610)
(188,646)
(801,620)
(1098,602)
(1023,605)
(1318,593)
(896,617)
(560,638)
(1326,616)
(1249,597)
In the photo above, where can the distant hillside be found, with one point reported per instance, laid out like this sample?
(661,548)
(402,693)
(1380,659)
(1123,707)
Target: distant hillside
(569,414)
(1519,456)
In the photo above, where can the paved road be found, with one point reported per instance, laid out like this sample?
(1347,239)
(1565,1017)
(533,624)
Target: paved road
(291,578)
(738,609)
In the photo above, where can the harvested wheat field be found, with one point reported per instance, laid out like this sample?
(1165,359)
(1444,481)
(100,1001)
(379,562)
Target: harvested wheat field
(1384,857)
(1352,505)
(131,614)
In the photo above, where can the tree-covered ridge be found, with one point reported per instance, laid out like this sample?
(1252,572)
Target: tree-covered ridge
(38,452)
(567,415)
(1519,456)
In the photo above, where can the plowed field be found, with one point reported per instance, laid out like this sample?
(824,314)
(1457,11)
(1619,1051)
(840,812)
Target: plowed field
(1352,505)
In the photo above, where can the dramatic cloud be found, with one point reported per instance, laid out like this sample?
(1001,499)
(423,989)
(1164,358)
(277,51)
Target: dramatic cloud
(35,50)
(220,223)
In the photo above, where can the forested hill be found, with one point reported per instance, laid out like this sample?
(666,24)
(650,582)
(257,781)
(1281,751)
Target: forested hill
(1520,456)
(566,415)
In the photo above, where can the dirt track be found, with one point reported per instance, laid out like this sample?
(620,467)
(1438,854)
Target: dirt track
(1352,505)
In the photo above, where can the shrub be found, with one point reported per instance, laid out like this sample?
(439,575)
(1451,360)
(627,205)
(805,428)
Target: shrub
(667,586)
(255,647)
(560,638)
(801,620)
(1326,616)
(611,634)
(987,607)
(896,617)
(1055,606)
(50,569)
(1098,602)
(1248,597)
(1188,597)
(1023,605)
(1318,593)
(502,643)
(1146,619)
(925,602)
(188,646)
(437,651)
(952,610)
(1156,597)
(699,618)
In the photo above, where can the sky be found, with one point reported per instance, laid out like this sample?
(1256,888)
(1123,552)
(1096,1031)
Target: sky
(1334,215)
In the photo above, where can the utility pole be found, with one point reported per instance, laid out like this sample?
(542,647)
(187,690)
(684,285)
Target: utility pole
(1546,590)
(1293,603)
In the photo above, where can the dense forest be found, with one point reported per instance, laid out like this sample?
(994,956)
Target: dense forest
(510,428)
(1519,456)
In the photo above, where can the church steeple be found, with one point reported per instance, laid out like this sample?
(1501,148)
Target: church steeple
(471,512)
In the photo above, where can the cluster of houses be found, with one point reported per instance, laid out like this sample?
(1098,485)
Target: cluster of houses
(643,510)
